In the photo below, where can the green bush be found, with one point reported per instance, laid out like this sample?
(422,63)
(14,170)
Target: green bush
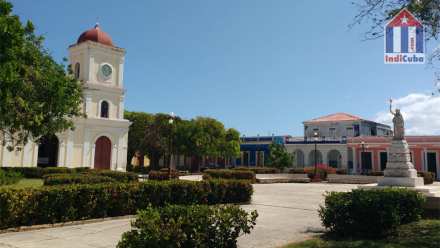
(428,177)
(117,175)
(59,179)
(260,170)
(9,177)
(51,204)
(138,169)
(38,172)
(188,226)
(163,175)
(297,171)
(229,174)
(341,171)
(370,213)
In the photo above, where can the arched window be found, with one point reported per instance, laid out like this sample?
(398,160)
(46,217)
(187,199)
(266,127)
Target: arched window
(104,109)
(77,70)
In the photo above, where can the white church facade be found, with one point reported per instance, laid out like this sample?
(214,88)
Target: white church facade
(100,139)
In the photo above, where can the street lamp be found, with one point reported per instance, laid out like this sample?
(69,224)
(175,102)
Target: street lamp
(363,146)
(315,139)
(170,121)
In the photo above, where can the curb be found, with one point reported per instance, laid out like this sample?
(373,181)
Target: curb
(63,224)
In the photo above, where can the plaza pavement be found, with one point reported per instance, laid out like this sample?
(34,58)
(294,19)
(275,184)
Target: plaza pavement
(287,212)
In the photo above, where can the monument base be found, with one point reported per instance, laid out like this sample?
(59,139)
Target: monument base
(401,181)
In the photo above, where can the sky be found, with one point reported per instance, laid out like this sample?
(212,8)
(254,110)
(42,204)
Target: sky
(259,66)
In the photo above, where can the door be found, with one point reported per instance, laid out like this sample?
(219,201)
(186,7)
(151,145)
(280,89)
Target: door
(431,158)
(48,151)
(103,153)
(366,162)
(383,160)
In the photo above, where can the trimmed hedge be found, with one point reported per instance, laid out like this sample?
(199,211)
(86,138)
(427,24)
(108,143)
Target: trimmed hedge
(370,213)
(229,174)
(117,175)
(38,172)
(260,170)
(9,177)
(52,204)
(189,226)
(60,179)
(163,175)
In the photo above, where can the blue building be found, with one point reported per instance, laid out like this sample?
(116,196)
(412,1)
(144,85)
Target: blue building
(255,150)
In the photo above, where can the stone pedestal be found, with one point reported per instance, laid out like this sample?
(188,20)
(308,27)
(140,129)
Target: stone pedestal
(400,170)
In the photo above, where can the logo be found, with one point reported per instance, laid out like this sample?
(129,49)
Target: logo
(404,41)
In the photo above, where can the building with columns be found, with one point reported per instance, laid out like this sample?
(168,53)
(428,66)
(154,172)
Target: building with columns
(100,139)
(343,141)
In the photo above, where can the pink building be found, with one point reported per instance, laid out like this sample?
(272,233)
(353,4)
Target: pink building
(370,152)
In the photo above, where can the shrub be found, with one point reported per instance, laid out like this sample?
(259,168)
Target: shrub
(43,205)
(139,169)
(322,170)
(260,170)
(428,177)
(117,175)
(341,171)
(297,171)
(229,174)
(9,177)
(163,175)
(59,179)
(188,226)
(38,172)
(370,213)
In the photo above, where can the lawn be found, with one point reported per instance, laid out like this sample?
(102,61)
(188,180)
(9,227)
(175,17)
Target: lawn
(24,183)
(422,234)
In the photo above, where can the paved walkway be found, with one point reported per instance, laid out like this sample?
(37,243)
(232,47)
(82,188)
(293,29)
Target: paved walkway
(287,212)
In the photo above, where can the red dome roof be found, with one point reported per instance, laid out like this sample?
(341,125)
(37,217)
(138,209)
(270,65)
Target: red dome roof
(97,35)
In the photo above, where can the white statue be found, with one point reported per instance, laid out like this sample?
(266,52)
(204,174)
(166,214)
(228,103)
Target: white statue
(398,123)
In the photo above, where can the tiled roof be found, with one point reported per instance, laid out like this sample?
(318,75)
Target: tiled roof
(335,117)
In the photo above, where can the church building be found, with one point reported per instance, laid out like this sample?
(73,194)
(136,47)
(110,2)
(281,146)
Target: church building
(99,140)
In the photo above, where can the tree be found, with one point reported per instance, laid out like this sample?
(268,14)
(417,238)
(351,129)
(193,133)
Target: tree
(230,147)
(160,137)
(376,13)
(278,156)
(37,96)
(136,133)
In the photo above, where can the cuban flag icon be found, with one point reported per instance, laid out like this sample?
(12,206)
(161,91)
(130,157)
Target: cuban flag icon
(404,41)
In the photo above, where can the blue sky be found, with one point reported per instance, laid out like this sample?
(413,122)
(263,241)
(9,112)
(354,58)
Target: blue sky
(261,67)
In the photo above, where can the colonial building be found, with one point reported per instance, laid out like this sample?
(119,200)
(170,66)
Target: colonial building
(343,141)
(100,140)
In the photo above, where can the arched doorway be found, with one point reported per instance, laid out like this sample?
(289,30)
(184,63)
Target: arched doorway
(334,158)
(312,157)
(48,151)
(103,153)
(299,158)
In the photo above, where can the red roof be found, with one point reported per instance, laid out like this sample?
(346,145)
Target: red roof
(404,19)
(335,117)
(96,35)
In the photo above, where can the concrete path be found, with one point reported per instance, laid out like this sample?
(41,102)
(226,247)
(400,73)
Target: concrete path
(287,212)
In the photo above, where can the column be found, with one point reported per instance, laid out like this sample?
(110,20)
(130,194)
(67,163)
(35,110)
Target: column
(121,108)
(69,149)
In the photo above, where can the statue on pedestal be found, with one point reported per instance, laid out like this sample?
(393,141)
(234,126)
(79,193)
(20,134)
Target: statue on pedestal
(398,123)
(399,169)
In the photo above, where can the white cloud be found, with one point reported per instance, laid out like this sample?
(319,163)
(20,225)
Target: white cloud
(421,113)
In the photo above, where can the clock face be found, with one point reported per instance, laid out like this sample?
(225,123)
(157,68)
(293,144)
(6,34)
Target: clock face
(106,70)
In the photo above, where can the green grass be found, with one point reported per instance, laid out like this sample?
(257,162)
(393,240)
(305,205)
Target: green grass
(421,234)
(24,183)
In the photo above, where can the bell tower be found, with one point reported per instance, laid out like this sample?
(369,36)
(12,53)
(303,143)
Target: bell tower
(102,136)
